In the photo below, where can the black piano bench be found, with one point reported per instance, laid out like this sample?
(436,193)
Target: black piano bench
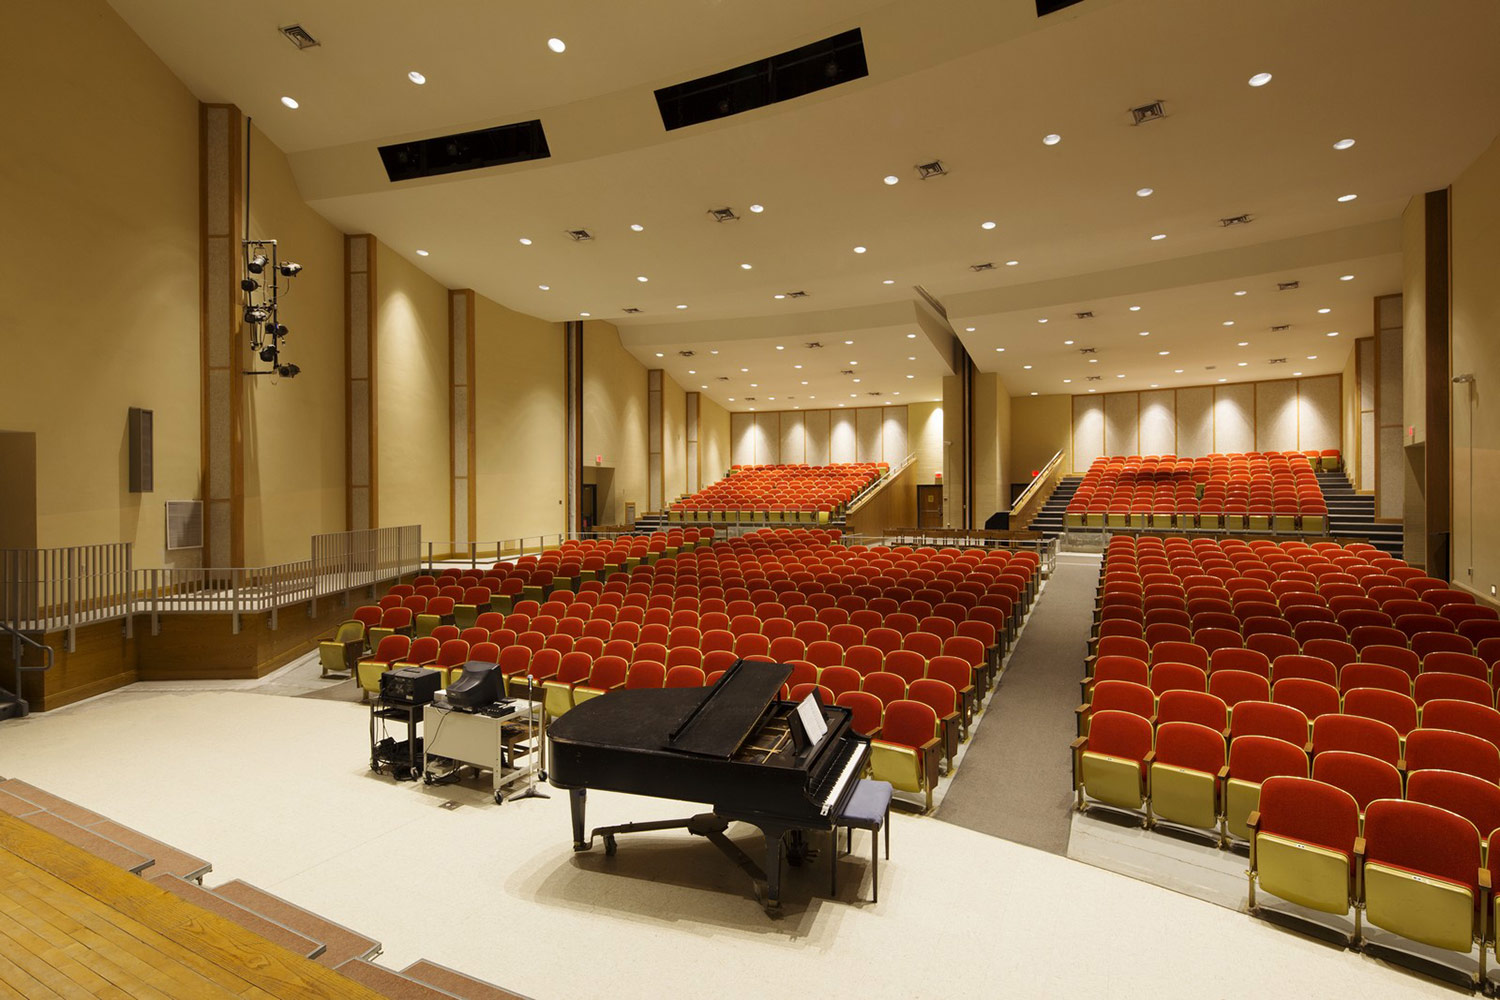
(869,808)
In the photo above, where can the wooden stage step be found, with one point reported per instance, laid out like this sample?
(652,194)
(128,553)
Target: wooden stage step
(392,984)
(55,804)
(456,983)
(82,837)
(342,944)
(169,860)
(254,922)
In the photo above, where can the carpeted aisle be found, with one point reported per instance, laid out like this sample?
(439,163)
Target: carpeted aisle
(1013,781)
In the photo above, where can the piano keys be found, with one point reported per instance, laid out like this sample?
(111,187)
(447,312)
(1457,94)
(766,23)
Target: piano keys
(735,746)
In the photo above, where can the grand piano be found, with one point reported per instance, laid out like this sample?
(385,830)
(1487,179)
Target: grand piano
(734,745)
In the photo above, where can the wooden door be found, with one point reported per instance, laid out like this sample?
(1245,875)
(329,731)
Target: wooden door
(930,506)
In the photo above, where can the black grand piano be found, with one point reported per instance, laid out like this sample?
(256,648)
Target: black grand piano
(734,745)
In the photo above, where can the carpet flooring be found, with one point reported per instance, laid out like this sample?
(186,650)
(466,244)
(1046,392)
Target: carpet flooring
(1014,782)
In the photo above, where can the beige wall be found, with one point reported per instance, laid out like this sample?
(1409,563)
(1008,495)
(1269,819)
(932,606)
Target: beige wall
(520,423)
(614,421)
(1278,415)
(820,437)
(412,397)
(992,462)
(1042,426)
(713,441)
(924,428)
(294,430)
(674,440)
(99,297)
(1475,551)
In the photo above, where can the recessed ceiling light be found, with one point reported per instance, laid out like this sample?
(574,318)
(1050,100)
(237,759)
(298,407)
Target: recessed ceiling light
(1119,376)
(714,351)
(1144,192)
(986,225)
(778,295)
(290,102)
(1000,349)
(1042,320)
(744,369)
(731,399)
(583,314)
(636,227)
(892,179)
(968,329)
(421,253)
(1296,373)
(1333,333)
(1145,333)
(796,366)
(692,371)
(804,381)
(1093,390)
(659,354)
(841,404)
(859,249)
(1312,357)
(911,336)
(757,209)
(911,357)
(557,44)
(1135,309)
(1241,292)
(848,342)
(1176,371)
(1163,353)
(524,242)
(1051,139)
(1011,263)
(1243,363)
(1229,322)
(1223,380)
(745,267)
(911,376)
(854,362)
(1244,343)
(889,281)
(1033,393)
(781,347)
(1027,367)
(755,385)
(1346,277)
(1067,381)
(641,277)
(857,380)
(416,78)
(1347,197)
(703,387)
(1325,310)
(545,288)
(1159,236)
(682,305)
(1343,144)
(1068,343)
(1093,361)
(1154,385)
(852,395)
(1258,80)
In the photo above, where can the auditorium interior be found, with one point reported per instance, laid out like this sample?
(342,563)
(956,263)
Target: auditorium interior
(702,499)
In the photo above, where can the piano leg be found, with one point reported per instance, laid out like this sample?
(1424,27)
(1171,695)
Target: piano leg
(773,868)
(576,803)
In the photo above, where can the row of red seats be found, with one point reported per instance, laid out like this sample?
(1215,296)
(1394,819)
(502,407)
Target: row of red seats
(760,489)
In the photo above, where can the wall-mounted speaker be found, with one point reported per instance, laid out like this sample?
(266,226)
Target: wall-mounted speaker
(142,478)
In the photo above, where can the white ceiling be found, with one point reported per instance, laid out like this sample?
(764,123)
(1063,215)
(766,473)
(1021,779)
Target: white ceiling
(976,84)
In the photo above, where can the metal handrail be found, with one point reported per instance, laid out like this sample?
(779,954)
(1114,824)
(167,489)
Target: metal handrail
(19,640)
(476,553)
(1033,489)
(859,499)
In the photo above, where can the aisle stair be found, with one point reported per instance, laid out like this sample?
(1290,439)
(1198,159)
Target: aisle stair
(1352,515)
(1049,520)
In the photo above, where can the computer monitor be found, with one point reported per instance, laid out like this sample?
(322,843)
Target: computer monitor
(476,687)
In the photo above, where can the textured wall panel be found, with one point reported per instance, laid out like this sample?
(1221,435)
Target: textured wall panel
(793,438)
(359,504)
(1195,422)
(817,428)
(1276,415)
(1319,415)
(359,322)
(1367,442)
(1122,424)
(219,402)
(1366,368)
(1159,422)
(359,433)
(216,194)
(460,353)
(461,510)
(460,426)
(841,437)
(1088,430)
(1391,489)
(359,254)
(742,439)
(767,439)
(1389,388)
(1234,418)
(867,434)
(895,436)
(220,262)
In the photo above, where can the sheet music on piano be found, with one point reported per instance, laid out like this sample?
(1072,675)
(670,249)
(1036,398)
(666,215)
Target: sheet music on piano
(810,714)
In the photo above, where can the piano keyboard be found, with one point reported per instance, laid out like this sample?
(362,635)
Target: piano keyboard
(843,770)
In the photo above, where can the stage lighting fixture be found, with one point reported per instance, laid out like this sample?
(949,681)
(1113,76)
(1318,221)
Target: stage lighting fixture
(248,284)
(268,353)
(257,263)
(276,329)
(256,314)
(289,269)
(287,370)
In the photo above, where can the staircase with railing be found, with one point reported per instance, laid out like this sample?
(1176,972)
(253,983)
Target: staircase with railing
(1049,518)
(1352,515)
(21,652)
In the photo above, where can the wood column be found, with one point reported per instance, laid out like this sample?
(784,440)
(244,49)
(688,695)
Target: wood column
(221,129)
(1438,472)
(656,486)
(360,354)
(694,456)
(573,394)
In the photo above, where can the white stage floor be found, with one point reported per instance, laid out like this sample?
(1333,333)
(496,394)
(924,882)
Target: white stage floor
(277,790)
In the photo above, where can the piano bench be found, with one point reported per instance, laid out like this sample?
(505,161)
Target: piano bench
(869,808)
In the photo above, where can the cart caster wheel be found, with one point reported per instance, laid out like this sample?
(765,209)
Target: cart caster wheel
(416,773)
(609,846)
(499,798)
(428,778)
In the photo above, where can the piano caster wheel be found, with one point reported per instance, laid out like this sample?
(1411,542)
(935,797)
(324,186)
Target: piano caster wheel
(609,845)
(428,778)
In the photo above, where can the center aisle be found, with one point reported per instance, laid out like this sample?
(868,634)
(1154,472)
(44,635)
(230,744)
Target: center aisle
(1014,779)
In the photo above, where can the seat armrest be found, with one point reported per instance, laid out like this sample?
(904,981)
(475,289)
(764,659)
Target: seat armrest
(1150,758)
(1253,820)
(1079,744)
(1359,847)
(1401,764)
(1484,880)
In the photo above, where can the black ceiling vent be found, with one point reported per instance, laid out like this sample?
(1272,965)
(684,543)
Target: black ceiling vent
(801,71)
(450,154)
(631,309)
(1045,7)
(986,266)
(1236,220)
(299,36)
(1288,286)
(1281,328)
(1144,113)
(1084,315)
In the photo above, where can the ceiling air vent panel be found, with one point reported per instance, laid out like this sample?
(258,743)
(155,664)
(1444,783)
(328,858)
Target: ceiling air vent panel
(451,154)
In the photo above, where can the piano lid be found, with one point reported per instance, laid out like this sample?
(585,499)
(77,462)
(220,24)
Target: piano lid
(731,710)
